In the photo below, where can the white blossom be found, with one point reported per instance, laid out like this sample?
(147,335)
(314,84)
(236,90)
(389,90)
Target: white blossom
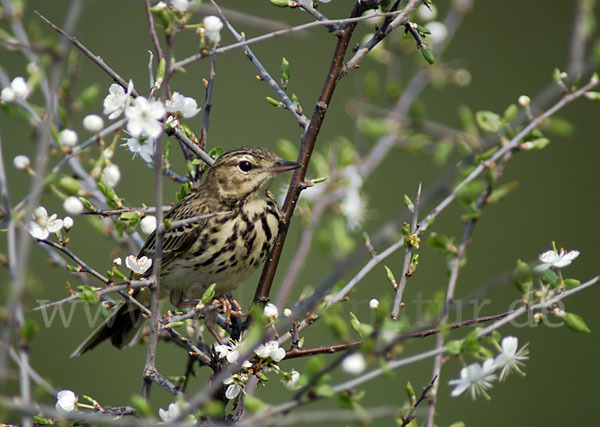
(291,380)
(117,262)
(68,223)
(138,265)
(374,304)
(375,20)
(556,259)
(270,310)
(66,401)
(21,162)
(145,148)
(510,359)
(287,312)
(475,378)
(68,138)
(43,225)
(270,349)
(180,5)
(93,123)
(354,364)
(232,391)
(186,106)
(117,100)
(524,101)
(148,224)
(439,32)
(143,117)
(112,175)
(169,415)
(212,28)
(73,205)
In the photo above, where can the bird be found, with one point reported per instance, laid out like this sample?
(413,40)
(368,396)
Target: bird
(223,249)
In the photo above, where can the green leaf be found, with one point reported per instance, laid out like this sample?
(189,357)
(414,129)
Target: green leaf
(287,148)
(549,276)
(273,101)
(408,202)
(254,404)
(111,197)
(30,329)
(571,283)
(88,294)
(41,420)
(576,323)
(511,113)
(488,121)
(502,191)
(337,325)
(363,329)
(523,279)
(216,152)
(428,55)
(285,70)
(536,144)
(375,128)
(88,95)
(324,390)
(441,243)
(487,154)
(183,191)
(454,346)
(279,3)
(209,294)
(70,185)
(141,406)
(314,366)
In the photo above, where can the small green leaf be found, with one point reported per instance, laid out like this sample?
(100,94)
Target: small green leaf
(160,73)
(363,329)
(70,185)
(428,55)
(314,366)
(285,70)
(209,294)
(141,406)
(410,392)
(88,295)
(324,390)
(536,144)
(576,323)
(549,276)
(337,325)
(216,152)
(571,283)
(273,101)
(488,121)
(502,191)
(279,3)
(254,404)
(408,202)
(511,113)
(454,346)
(522,277)
(30,329)
(41,420)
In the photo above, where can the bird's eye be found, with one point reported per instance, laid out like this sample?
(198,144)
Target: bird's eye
(245,166)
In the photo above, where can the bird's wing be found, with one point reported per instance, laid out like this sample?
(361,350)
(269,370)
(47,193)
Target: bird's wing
(178,239)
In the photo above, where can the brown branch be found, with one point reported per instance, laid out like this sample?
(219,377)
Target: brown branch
(334,348)
(153,34)
(411,415)
(309,140)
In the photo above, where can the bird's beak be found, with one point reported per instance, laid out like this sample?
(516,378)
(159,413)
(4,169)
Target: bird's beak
(284,166)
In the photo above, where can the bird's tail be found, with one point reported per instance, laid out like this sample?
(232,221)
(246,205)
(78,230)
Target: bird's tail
(122,327)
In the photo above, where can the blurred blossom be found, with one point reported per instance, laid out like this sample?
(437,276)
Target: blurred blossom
(354,364)
(375,20)
(212,28)
(93,123)
(112,175)
(21,162)
(353,207)
(143,117)
(290,382)
(68,138)
(475,378)
(374,304)
(148,224)
(180,5)
(171,414)
(270,310)
(73,205)
(427,13)
(117,100)
(439,32)
(186,106)
(66,401)
(145,149)
(270,349)
(20,87)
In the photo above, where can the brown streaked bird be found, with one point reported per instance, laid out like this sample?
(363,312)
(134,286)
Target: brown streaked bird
(224,249)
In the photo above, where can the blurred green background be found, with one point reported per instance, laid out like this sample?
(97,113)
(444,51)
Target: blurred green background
(509,47)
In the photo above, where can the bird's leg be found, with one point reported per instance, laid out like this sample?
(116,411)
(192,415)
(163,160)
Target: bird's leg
(210,319)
